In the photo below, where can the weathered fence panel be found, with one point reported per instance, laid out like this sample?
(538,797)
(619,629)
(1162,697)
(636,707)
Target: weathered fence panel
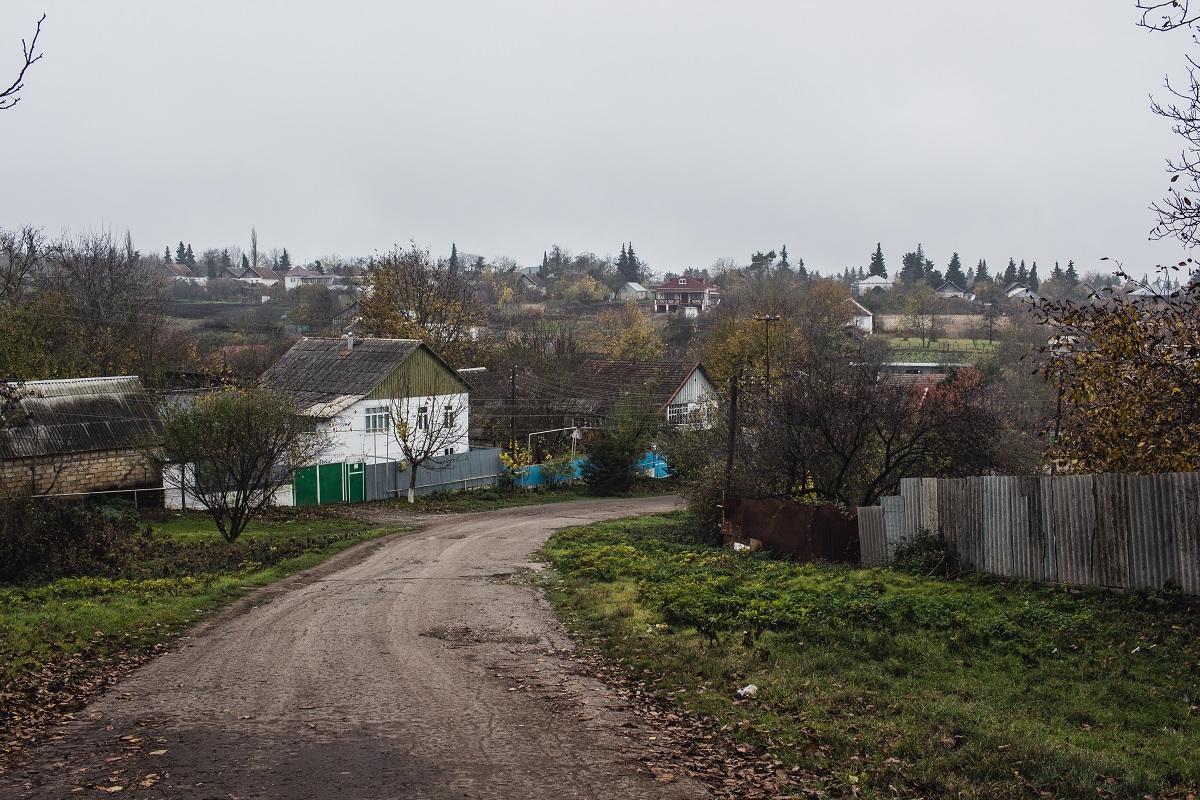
(1124,531)
(803,532)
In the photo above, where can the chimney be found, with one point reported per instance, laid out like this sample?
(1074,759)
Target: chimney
(349,342)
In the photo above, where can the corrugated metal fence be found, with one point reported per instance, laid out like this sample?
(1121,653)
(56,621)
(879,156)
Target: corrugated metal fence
(1123,531)
(480,467)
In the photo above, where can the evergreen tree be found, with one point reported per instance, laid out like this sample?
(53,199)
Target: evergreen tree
(190,258)
(877,265)
(544,272)
(913,270)
(1010,272)
(862,273)
(1057,273)
(1034,282)
(245,263)
(954,272)
(453,257)
(285,261)
(801,270)
(1071,275)
(623,263)
(1023,273)
(635,264)
(933,276)
(783,262)
(167,255)
(981,272)
(226,260)
(181,254)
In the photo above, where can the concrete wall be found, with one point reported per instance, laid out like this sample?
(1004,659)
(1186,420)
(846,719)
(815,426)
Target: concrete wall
(79,473)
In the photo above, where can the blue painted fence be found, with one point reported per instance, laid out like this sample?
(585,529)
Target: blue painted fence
(653,464)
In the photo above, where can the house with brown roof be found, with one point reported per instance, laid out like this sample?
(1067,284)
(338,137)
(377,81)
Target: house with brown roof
(685,292)
(79,436)
(296,277)
(680,391)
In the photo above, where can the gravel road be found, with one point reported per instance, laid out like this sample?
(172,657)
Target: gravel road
(407,668)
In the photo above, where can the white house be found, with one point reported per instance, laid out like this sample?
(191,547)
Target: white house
(861,317)
(296,277)
(362,390)
(632,292)
(686,291)
(678,390)
(871,282)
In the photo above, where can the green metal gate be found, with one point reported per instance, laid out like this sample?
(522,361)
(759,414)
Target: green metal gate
(356,485)
(304,487)
(331,483)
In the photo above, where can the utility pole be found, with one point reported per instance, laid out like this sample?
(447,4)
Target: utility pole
(733,404)
(766,320)
(512,411)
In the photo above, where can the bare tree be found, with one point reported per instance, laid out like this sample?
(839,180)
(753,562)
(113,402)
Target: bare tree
(23,256)
(426,428)
(9,96)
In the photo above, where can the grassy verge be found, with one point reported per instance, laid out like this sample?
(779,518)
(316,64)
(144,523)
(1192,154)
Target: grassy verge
(491,499)
(64,641)
(878,683)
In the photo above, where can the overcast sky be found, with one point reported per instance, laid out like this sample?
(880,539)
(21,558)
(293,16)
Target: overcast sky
(696,130)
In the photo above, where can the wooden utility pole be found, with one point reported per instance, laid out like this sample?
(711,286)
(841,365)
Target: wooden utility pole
(766,320)
(733,404)
(512,411)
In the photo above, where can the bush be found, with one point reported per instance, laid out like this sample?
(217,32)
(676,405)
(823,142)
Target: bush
(928,554)
(42,539)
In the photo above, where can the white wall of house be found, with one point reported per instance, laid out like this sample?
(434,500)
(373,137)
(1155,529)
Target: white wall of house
(864,322)
(693,403)
(359,434)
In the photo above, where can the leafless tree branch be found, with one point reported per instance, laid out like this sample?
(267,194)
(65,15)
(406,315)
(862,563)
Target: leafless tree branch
(8,97)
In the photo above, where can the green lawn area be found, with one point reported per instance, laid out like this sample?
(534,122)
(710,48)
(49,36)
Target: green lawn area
(940,351)
(64,640)
(879,683)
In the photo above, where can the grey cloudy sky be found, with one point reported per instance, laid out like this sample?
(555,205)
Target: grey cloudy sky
(695,129)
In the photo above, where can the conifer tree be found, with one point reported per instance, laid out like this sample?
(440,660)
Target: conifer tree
(245,263)
(190,257)
(285,261)
(226,260)
(1057,273)
(544,272)
(1034,282)
(453,263)
(181,254)
(635,265)
(877,265)
(1010,272)
(954,272)
(623,263)
(167,255)
(1023,273)
(1071,275)
(783,260)
(981,272)
(913,270)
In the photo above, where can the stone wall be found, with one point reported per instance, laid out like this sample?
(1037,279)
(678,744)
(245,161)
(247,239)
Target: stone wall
(79,473)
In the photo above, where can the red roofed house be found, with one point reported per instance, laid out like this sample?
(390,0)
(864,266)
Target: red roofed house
(685,292)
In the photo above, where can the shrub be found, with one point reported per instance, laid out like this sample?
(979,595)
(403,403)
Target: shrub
(43,539)
(928,554)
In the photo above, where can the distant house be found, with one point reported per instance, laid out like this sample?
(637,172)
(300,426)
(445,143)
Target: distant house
(260,276)
(861,287)
(950,289)
(679,391)
(686,291)
(861,317)
(79,436)
(632,292)
(350,386)
(296,277)
(532,283)
(184,274)
(916,373)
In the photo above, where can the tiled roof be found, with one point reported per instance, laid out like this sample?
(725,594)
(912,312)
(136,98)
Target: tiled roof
(325,377)
(265,273)
(653,382)
(80,415)
(689,282)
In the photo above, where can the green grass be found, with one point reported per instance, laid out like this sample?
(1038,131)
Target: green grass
(877,679)
(196,528)
(942,350)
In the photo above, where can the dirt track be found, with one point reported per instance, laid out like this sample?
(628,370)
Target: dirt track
(417,671)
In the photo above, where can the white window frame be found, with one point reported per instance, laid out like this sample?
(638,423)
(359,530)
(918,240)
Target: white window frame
(377,419)
(423,418)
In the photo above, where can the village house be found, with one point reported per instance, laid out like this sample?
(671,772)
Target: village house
(685,292)
(861,317)
(360,391)
(78,436)
(861,287)
(680,392)
(296,277)
(950,289)
(632,292)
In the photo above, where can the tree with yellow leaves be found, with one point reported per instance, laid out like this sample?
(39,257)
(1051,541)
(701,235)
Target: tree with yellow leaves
(625,335)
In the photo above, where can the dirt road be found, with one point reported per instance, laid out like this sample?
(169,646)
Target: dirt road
(417,671)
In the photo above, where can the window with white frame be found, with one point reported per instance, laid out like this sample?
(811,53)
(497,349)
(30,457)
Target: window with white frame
(378,419)
(448,417)
(423,418)
(677,414)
